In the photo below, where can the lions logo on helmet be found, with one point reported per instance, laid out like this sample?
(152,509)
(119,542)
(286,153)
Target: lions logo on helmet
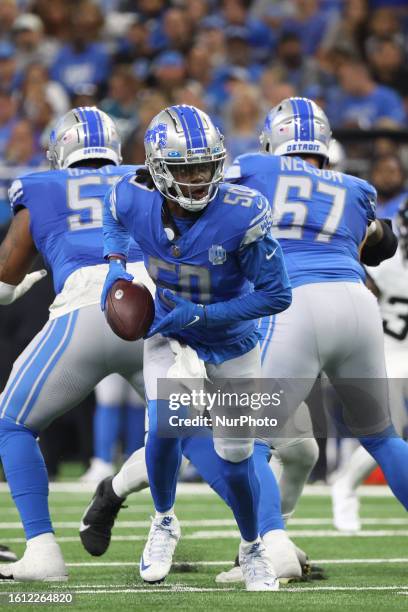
(185,155)
(83,133)
(296,126)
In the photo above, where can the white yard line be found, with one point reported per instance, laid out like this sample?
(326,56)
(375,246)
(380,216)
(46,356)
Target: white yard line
(232,534)
(211,523)
(184,488)
(84,590)
(396,560)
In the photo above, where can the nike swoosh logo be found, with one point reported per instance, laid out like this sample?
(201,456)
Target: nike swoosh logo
(270,255)
(82,525)
(196,318)
(142,564)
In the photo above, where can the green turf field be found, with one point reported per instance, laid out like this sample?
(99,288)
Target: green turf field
(364,572)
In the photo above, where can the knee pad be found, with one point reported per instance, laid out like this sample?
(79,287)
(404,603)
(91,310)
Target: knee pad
(234,450)
(305,452)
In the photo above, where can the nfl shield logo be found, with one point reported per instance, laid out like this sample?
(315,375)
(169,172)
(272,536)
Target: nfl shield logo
(217,254)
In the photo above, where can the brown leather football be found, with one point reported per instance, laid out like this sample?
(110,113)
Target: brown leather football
(129,310)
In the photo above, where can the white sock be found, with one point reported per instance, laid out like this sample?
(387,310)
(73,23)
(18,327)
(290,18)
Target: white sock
(132,476)
(167,513)
(270,536)
(360,465)
(44,539)
(246,544)
(297,463)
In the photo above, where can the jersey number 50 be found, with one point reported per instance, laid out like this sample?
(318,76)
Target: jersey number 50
(304,186)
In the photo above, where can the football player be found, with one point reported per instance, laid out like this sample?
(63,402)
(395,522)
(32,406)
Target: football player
(325,221)
(58,213)
(208,247)
(390,283)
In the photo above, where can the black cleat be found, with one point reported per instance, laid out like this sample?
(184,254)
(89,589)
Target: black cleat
(6,554)
(98,519)
(313,572)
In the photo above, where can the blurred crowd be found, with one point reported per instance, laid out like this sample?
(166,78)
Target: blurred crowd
(233,58)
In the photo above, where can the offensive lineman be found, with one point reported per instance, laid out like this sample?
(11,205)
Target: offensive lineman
(59,214)
(206,241)
(391,285)
(321,220)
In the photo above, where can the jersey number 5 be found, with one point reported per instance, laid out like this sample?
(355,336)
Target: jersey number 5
(89,209)
(282,205)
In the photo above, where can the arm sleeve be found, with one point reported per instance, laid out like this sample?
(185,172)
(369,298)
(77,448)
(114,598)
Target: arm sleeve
(17,196)
(116,237)
(368,197)
(262,263)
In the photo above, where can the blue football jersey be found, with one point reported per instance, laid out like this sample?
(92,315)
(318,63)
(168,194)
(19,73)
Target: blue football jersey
(320,216)
(203,265)
(66,209)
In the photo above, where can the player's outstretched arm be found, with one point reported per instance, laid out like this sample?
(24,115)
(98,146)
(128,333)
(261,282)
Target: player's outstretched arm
(17,253)
(116,245)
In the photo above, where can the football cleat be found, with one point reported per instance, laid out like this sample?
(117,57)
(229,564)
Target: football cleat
(43,563)
(158,552)
(257,569)
(97,471)
(310,571)
(283,555)
(6,554)
(345,503)
(232,575)
(98,519)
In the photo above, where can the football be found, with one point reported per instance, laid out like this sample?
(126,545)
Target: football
(129,310)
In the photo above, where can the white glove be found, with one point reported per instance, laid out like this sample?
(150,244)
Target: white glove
(11,293)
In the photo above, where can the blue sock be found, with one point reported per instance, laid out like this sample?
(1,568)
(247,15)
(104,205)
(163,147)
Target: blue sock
(269,514)
(106,431)
(163,458)
(134,428)
(27,477)
(391,454)
(200,451)
(242,494)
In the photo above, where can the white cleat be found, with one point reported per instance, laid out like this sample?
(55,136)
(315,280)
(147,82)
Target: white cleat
(230,576)
(97,471)
(157,556)
(42,562)
(346,506)
(257,568)
(282,554)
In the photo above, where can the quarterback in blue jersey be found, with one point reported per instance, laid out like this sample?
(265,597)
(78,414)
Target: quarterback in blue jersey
(208,247)
(58,214)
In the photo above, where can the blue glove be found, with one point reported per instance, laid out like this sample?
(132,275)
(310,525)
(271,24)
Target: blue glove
(185,314)
(116,272)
